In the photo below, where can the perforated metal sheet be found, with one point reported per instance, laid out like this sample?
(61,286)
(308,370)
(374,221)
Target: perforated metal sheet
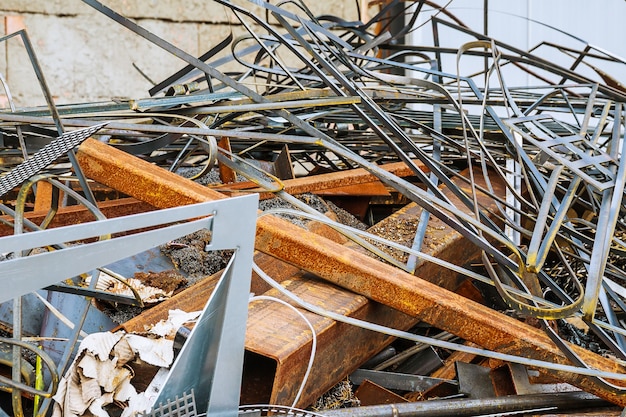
(45,156)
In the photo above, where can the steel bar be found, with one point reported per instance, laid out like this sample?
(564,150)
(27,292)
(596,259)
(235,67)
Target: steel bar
(472,407)
(351,270)
(609,212)
(279,362)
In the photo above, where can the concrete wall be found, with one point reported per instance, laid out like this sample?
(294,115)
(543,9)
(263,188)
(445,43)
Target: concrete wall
(87,57)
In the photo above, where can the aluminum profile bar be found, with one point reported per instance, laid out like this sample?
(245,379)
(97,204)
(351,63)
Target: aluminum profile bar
(20,276)
(211,360)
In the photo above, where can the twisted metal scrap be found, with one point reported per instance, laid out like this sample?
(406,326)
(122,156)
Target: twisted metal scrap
(330,89)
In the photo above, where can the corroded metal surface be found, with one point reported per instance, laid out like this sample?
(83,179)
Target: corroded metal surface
(420,298)
(352,270)
(530,203)
(329,182)
(140,179)
(279,334)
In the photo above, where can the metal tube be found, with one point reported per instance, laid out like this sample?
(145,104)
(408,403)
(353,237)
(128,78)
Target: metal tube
(472,407)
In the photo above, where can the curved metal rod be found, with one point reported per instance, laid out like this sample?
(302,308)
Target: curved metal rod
(18,386)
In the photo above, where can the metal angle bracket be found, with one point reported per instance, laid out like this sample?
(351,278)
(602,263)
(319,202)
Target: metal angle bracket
(26,274)
(210,362)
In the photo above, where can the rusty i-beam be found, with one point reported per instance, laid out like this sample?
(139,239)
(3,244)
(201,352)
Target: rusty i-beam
(352,270)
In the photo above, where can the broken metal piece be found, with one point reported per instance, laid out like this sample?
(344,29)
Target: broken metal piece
(370,393)
(421,363)
(474,380)
(397,381)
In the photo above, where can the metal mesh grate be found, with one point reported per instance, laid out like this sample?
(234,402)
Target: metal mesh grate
(184,406)
(44,157)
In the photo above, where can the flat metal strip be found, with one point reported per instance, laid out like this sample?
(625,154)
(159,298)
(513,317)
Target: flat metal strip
(394,380)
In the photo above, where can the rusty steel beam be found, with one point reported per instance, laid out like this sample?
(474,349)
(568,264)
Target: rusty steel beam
(277,337)
(367,189)
(195,297)
(329,181)
(429,302)
(353,270)
(349,347)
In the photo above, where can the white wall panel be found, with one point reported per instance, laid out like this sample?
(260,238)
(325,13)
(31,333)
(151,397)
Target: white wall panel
(599,23)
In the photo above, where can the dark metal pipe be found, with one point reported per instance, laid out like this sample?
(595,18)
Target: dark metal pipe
(472,407)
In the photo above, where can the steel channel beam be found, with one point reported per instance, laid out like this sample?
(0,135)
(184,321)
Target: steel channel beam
(352,270)
(280,338)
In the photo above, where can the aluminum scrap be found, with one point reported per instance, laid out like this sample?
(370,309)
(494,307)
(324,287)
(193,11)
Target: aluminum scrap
(345,94)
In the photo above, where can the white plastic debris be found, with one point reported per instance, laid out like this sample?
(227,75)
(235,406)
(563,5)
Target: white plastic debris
(100,373)
(147,293)
(175,319)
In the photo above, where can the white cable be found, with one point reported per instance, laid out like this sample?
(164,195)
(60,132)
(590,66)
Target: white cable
(313,343)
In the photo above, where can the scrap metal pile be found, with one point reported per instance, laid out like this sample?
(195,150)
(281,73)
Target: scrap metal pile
(430,237)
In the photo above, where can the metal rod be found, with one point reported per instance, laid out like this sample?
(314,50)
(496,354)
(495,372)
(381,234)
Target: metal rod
(472,407)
